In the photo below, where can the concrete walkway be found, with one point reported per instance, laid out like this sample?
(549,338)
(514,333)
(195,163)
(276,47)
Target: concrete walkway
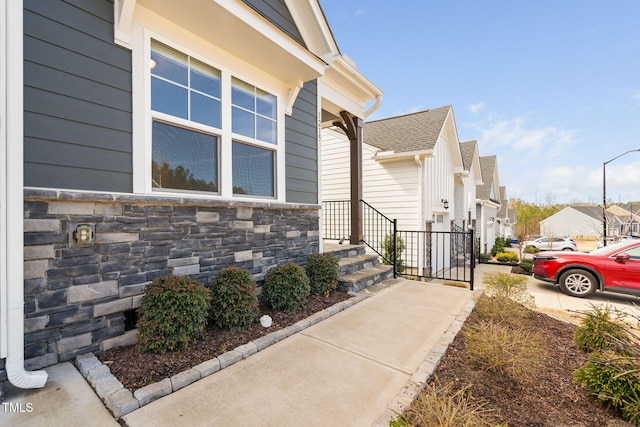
(357,368)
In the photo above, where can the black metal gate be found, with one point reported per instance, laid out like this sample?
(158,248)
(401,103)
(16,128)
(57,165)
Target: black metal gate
(420,255)
(446,255)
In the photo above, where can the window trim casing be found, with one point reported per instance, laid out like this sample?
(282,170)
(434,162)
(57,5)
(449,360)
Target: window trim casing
(229,66)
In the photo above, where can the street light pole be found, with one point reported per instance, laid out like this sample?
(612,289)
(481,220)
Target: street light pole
(604,194)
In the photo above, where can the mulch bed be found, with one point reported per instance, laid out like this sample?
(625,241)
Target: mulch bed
(135,369)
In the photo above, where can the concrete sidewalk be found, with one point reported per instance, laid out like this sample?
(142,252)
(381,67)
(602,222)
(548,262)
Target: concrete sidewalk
(345,370)
(359,367)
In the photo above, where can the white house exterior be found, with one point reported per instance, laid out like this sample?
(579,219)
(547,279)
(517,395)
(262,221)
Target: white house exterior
(410,166)
(506,217)
(488,203)
(471,177)
(574,221)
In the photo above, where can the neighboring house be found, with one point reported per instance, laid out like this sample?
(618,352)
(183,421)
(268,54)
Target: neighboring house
(626,220)
(410,165)
(488,202)
(412,169)
(574,221)
(506,218)
(465,199)
(158,139)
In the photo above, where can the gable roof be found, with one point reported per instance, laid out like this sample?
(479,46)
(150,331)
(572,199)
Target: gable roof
(468,149)
(594,212)
(488,167)
(410,132)
(502,212)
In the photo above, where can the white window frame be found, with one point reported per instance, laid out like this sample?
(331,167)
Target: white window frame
(229,66)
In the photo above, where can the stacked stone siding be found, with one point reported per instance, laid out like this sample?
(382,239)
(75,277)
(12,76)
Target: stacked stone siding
(76,295)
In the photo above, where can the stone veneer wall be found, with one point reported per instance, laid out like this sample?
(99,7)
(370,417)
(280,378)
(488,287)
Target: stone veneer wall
(76,296)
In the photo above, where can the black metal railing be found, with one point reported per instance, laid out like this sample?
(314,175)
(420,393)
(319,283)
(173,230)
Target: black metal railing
(336,220)
(379,233)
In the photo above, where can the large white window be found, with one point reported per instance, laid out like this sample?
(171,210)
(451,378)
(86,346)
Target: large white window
(189,129)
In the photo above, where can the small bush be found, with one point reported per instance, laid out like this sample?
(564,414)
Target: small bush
(322,271)
(484,257)
(498,246)
(502,310)
(286,288)
(601,329)
(234,304)
(526,264)
(173,314)
(531,250)
(443,406)
(614,380)
(507,257)
(515,352)
(507,285)
(389,256)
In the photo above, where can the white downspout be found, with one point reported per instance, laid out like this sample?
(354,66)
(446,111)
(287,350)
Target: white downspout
(12,239)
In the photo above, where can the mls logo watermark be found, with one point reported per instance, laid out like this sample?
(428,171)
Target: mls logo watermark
(17,407)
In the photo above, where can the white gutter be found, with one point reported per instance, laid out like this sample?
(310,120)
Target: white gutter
(11,232)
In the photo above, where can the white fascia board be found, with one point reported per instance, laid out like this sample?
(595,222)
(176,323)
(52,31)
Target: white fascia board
(238,29)
(388,156)
(313,27)
(344,85)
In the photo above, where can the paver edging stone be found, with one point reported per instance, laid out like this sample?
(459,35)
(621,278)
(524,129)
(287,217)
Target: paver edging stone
(122,401)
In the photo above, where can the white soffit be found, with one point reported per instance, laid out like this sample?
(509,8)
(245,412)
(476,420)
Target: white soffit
(234,27)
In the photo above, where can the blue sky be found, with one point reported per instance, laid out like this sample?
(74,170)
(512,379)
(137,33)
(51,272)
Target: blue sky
(550,87)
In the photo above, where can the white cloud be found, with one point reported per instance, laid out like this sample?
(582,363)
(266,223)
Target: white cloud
(474,108)
(517,135)
(636,96)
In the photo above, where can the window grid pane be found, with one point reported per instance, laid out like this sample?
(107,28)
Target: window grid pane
(253,170)
(262,108)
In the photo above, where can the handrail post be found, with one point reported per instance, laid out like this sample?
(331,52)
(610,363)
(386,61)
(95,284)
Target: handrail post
(473,259)
(395,252)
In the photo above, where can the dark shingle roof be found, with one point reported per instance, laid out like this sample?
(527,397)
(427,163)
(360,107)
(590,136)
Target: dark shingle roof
(592,211)
(487,166)
(467,149)
(410,132)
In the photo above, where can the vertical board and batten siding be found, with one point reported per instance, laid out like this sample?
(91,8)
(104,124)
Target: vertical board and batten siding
(77,98)
(301,151)
(439,182)
(278,14)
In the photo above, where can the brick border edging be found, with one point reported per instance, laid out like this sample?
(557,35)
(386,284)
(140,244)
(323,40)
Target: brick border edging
(121,401)
(418,381)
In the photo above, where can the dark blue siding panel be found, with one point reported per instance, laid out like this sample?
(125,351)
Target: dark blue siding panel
(302,147)
(278,13)
(77,97)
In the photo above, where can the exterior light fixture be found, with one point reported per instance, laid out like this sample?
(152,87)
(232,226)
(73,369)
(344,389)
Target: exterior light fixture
(445,203)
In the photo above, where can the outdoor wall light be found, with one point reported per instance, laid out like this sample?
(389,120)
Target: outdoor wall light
(445,203)
(83,234)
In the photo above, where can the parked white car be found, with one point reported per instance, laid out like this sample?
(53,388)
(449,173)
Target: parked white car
(553,244)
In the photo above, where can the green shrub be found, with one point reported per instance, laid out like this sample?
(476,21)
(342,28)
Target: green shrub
(389,256)
(531,250)
(484,257)
(322,271)
(498,246)
(507,257)
(601,329)
(234,304)
(614,380)
(526,264)
(286,288)
(173,314)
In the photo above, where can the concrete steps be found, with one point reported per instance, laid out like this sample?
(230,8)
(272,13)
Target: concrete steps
(358,270)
